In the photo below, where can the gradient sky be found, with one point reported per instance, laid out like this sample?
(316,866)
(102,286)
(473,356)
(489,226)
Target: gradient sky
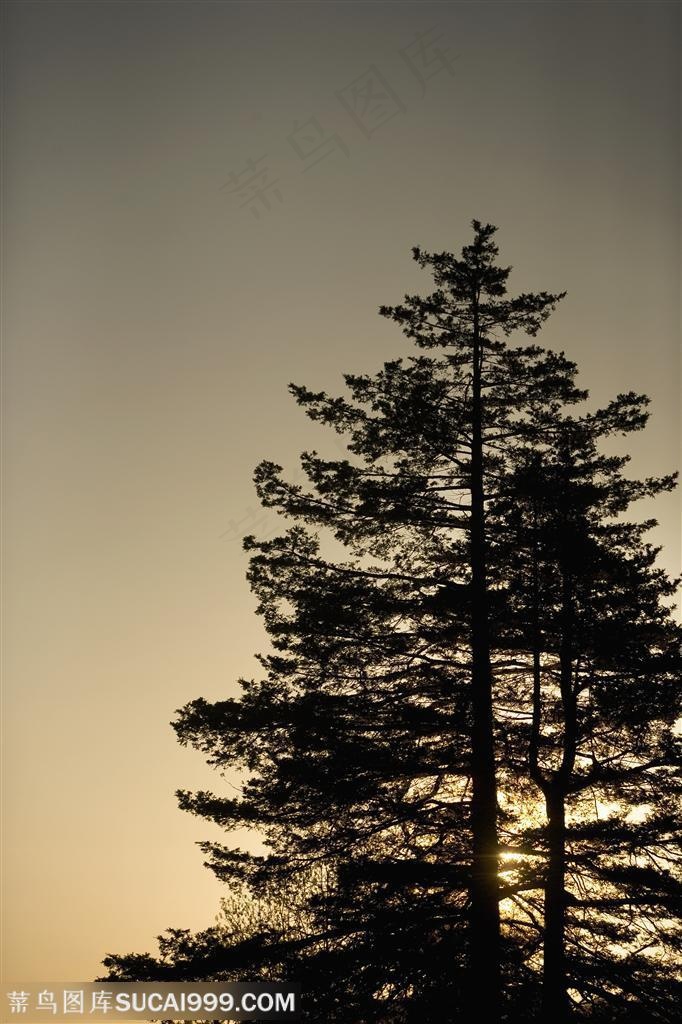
(152,324)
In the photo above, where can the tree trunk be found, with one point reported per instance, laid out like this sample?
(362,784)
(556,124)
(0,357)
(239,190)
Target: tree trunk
(484,893)
(556,1004)
(555,1001)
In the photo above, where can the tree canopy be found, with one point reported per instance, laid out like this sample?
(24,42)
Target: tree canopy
(461,750)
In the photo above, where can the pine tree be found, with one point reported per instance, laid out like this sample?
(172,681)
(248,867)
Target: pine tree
(430,440)
(413,704)
(463,315)
(591,608)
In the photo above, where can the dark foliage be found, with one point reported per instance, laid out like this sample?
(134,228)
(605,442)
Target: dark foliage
(451,706)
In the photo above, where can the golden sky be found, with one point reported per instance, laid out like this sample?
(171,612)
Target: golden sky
(152,323)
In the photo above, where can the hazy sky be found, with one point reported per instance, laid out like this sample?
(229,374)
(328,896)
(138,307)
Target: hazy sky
(160,292)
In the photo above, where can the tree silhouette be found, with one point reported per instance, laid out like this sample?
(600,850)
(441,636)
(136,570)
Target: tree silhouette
(592,610)
(471,620)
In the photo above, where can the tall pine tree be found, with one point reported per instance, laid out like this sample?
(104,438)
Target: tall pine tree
(376,744)
(602,689)
(430,439)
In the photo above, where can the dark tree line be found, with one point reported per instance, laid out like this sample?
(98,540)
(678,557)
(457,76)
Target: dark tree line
(461,751)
